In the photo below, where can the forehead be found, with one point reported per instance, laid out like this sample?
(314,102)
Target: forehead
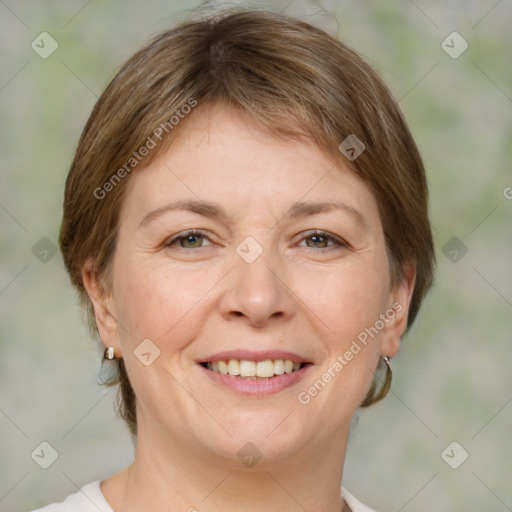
(228,157)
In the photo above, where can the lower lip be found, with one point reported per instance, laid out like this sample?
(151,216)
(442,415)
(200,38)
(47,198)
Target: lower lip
(257,387)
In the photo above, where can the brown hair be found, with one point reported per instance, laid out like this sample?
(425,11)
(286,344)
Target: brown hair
(276,69)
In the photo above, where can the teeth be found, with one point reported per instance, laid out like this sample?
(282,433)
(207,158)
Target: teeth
(233,367)
(223,367)
(279,367)
(247,368)
(265,368)
(252,369)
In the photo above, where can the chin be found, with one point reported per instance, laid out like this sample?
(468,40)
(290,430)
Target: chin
(268,437)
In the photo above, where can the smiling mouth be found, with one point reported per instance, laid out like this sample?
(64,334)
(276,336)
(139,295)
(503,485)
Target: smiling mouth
(246,369)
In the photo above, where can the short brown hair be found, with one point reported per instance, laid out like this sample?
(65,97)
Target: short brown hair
(276,69)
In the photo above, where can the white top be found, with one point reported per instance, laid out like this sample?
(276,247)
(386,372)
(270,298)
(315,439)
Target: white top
(90,499)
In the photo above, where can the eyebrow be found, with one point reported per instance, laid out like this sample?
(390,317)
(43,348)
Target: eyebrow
(214,211)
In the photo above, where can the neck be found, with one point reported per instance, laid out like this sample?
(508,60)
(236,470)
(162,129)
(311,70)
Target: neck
(192,480)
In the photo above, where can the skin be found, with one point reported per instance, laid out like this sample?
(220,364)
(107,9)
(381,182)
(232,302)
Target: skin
(304,294)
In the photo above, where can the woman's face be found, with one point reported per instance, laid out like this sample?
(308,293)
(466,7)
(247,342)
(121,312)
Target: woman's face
(256,281)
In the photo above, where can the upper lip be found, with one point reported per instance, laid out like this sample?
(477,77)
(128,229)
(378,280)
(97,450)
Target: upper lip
(250,355)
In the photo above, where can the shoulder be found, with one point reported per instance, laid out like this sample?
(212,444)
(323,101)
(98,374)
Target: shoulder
(354,504)
(87,499)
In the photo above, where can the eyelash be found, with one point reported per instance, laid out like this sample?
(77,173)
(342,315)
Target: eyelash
(336,241)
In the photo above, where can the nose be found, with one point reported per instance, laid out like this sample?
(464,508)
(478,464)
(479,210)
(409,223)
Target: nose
(258,292)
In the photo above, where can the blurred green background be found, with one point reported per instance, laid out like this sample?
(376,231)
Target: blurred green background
(454,379)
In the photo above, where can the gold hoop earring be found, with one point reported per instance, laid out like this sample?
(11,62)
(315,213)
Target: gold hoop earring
(388,364)
(110,353)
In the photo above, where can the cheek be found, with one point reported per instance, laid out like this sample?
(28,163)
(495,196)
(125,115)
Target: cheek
(152,300)
(346,307)
(345,301)
(352,305)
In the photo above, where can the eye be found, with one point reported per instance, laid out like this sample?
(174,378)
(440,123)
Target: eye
(321,239)
(188,240)
(195,239)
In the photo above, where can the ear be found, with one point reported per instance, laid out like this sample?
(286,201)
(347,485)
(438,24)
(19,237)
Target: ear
(397,313)
(104,308)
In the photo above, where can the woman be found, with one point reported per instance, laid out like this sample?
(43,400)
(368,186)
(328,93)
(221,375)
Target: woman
(246,220)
